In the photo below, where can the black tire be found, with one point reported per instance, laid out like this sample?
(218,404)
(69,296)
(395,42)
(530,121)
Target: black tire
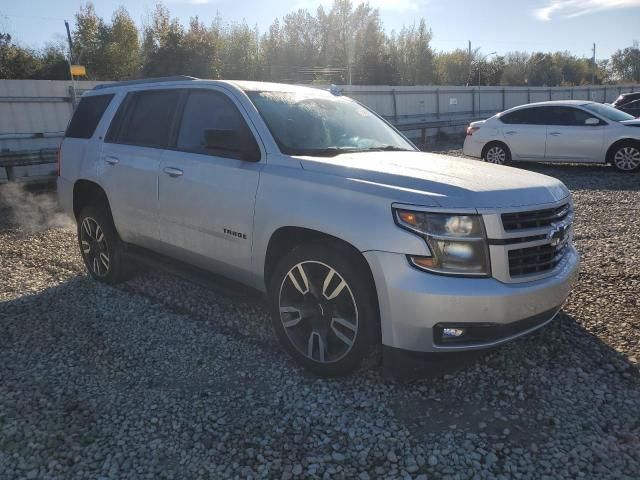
(497,153)
(318,327)
(625,157)
(100,246)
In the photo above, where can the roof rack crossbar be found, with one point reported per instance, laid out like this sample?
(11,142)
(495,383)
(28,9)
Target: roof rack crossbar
(174,78)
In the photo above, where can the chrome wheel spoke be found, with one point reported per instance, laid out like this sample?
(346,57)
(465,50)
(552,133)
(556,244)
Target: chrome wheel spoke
(339,333)
(316,339)
(86,225)
(86,248)
(304,288)
(337,290)
(104,259)
(291,316)
(99,234)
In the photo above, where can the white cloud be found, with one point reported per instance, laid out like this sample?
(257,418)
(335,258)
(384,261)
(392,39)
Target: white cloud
(576,8)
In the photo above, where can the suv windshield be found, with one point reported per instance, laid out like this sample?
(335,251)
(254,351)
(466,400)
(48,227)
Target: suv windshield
(607,112)
(320,124)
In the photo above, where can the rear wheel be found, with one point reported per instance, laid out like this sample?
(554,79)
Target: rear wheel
(324,310)
(626,157)
(496,153)
(101,247)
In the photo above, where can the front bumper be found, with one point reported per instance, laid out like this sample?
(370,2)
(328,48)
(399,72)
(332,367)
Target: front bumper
(414,304)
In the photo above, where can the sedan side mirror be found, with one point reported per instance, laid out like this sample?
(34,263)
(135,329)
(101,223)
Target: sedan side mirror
(592,121)
(232,142)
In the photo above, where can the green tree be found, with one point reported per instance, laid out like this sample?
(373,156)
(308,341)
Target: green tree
(625,64)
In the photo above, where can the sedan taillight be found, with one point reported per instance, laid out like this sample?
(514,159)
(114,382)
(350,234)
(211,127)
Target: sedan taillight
(471,129)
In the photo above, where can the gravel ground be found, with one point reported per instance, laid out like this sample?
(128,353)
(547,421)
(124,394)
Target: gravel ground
(158,378)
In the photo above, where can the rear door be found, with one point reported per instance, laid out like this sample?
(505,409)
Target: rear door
(130,162)
(207,195)
(569,138)
(525,133)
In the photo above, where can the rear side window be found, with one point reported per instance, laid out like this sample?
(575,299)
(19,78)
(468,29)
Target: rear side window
(87,116)
(526,116)
(207,110)
(147,119)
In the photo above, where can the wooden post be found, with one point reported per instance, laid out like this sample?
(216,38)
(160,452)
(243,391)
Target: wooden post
(437,103)
(528,95)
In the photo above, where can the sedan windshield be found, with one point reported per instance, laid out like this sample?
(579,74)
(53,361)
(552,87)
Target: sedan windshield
(320,124)
(607,112)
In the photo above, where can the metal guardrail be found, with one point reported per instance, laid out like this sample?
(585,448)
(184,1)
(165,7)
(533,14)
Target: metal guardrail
(25,158)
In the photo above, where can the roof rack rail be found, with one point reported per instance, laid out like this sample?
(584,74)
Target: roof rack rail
(174,78)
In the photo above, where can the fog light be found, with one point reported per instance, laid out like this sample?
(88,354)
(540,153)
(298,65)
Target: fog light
(452,332)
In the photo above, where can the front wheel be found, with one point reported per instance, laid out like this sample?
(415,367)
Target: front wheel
(496,153)
(324,310)
(626,157)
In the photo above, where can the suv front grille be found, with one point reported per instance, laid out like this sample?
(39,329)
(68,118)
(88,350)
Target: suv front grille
(541,258)
(535,218)
(527,261)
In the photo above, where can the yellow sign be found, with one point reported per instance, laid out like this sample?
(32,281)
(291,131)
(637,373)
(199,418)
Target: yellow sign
(78,70)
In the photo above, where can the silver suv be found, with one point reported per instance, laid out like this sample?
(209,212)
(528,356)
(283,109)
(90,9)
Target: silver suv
(363,243)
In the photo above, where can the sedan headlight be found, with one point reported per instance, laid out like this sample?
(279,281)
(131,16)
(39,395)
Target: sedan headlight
(458,243)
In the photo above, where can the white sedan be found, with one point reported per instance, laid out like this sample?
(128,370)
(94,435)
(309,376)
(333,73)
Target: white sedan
(558,131)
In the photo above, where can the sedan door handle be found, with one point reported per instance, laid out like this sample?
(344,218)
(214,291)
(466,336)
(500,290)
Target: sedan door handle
(111,160)
(173,172)
(510,132)
(554,134)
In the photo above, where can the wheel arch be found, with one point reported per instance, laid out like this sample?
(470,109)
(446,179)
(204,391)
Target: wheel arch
(491,143)
(285,239)
(86,192)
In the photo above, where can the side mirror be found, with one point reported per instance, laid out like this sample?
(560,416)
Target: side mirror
(592,121)
(243,147)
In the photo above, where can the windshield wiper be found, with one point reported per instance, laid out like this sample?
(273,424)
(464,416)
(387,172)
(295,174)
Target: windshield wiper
(384,148)
(334,151)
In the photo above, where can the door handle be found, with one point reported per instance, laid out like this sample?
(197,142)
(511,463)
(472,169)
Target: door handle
(510,132)
(554,134)
(111,160)
(172,172)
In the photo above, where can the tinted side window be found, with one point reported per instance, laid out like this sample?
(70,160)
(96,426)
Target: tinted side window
(205,111)
(87,116)
(149,118)
(567,116)
(525,116)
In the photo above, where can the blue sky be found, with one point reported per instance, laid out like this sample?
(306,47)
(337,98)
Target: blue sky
(493,25)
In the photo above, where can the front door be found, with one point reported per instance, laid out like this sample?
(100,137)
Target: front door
(207,192)
(569,138)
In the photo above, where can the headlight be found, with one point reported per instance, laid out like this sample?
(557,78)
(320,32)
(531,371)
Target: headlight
(457,242)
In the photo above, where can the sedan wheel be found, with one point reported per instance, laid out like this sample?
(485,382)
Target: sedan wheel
(627,158)
(496,154)
(318,312)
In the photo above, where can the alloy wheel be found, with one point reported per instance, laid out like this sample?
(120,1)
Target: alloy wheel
(95,249)
(318,312)
(496,155)
(627,158)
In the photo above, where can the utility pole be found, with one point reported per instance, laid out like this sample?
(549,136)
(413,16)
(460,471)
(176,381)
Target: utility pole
(593,72)
(73,83)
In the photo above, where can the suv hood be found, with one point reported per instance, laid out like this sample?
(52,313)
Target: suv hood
(450,182)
